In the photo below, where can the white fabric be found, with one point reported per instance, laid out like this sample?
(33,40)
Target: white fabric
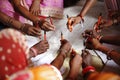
(75,36)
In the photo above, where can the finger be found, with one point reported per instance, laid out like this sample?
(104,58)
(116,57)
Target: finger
(73,23)
(51,27)
(63,41)
(32,12)
(48,27)
(38,30)
(73,53)
(38,12)
(34,33)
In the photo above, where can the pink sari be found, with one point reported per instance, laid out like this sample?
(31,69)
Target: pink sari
(53,8)
(7,8)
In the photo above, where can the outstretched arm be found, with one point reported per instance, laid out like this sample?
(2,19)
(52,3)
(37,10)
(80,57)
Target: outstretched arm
(87,6)
(63,51)
(9,21)
(115,40)
(18,7)
(95,44)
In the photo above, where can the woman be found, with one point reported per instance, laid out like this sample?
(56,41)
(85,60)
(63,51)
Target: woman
(18,10)
(113,9)
(15,54)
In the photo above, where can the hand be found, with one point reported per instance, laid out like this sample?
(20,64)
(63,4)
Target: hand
(92,43)
(87,58)
(41,46)
(90,33)
(65,47)
(75,64)
(75,61)
(30,30)
(106,23)
(45,25)
(35,8)
(72,21)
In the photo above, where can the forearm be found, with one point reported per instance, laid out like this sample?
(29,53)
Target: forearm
(24,11)
(58,61)
(87,6)
(9,21)
(111,39)
(110,53)
(72,75)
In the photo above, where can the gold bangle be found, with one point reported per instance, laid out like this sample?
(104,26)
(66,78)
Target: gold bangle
(81,17)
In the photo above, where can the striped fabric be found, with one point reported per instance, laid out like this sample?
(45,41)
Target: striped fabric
(112,5)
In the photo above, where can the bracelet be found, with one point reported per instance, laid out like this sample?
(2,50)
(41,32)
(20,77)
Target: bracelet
(99,37)
(88,69)
(81,17)
(34,51)
(109,54)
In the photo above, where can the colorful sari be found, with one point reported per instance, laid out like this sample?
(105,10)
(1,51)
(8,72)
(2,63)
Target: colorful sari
(13,52)
(7,8)
(53,8)
(113,7)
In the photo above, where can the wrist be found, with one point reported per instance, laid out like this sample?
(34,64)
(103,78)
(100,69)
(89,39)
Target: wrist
(99,46)
(33,52)
(81,17)
(63,52)
(99,37)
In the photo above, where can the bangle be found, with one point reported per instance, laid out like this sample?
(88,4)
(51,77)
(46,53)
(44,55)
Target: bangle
(109,54)
(99,37)
(88,69)
(34,51)
(81,17)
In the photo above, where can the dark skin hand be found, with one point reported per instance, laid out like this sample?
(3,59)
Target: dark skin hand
(45,25)
(30,30)
(42,23)
(109,39)
(64,49)
(75,64)
(41,46)
(87,58)
(23,27)
(93,43)
(90,33)
(35,7)
(76,19)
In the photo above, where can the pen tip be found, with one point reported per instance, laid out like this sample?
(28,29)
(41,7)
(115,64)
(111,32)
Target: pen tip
(61,33)
(67,16)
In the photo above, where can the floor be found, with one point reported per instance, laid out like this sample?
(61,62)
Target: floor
(75,37)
